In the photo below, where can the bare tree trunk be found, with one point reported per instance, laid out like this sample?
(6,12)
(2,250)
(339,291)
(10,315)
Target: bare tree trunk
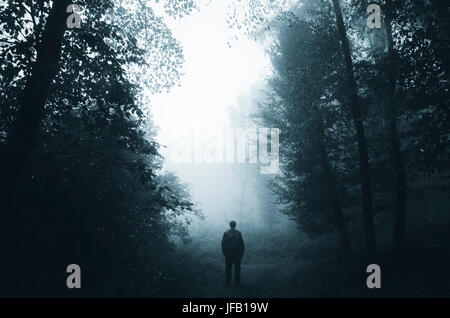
(400,200)
(370,240)
(330,181)
(22,139)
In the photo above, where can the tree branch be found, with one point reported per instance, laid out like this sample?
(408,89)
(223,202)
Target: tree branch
(31,13)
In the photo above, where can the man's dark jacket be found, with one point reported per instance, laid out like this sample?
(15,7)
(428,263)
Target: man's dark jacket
(232,244)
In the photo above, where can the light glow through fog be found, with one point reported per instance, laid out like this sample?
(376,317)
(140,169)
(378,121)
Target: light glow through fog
(215,74)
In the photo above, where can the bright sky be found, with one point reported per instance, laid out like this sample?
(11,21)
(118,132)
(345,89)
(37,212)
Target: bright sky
(215,74)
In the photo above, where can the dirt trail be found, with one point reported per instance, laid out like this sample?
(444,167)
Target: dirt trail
(262,273)
(258,280)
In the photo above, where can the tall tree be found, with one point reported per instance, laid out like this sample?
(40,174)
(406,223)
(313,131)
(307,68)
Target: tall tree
(21,140)
(366,187)
(303,105)
(259,16)
(93,181)
(392,113)
(408,76)
(45,39)
(332,187)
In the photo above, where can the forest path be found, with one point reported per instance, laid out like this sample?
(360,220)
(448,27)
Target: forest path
(262,279)
(258,280)
(266,271)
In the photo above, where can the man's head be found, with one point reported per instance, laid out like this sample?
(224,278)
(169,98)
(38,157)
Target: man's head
(232,224)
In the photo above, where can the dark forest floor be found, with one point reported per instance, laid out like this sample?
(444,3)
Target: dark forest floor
(274,266)
(422,269)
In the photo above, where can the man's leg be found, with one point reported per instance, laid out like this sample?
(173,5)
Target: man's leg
(228,270)
(237,271)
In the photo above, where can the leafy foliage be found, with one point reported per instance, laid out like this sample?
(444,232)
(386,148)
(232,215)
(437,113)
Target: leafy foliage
(93,192)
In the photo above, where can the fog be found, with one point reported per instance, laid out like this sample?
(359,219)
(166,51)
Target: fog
(222,77)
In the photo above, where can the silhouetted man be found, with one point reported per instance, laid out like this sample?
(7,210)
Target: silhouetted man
(233,250)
